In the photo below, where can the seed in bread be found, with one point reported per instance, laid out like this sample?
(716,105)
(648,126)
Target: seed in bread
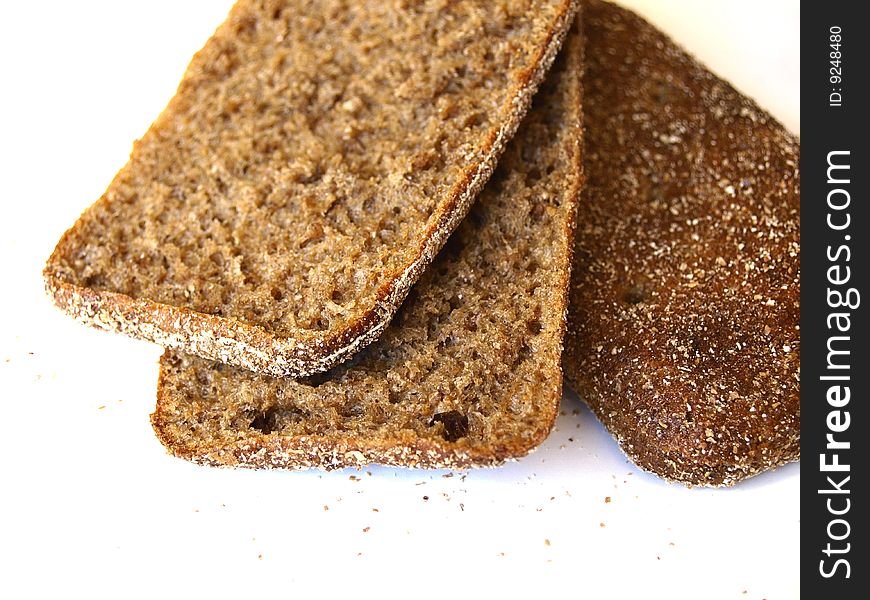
(315,158)
(683,331)
(467,374)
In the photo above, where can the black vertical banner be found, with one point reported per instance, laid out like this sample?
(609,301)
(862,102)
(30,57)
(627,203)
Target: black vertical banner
(835,227)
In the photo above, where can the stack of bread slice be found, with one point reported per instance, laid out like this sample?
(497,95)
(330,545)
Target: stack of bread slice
(353,228)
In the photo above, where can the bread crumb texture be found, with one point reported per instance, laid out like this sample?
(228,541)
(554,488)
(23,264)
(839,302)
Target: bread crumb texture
(683,332)
(315,158)
(467,374)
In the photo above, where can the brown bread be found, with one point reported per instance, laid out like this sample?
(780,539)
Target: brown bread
(315,158)
(467,374)
(683,330)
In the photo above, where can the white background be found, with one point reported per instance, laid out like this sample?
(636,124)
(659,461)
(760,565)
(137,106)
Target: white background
(91,504)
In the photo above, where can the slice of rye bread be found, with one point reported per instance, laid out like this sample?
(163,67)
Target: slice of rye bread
(684,305)
(316,157)
(467,374)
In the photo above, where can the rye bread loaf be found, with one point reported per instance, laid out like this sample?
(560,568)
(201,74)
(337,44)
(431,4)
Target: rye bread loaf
(467,374)
(684,305)
(313,161)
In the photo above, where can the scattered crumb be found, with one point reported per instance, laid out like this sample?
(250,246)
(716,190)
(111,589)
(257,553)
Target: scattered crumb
(354,478)
(366,529)
(607,500)
(259,557)
(546,542)
(602,525)
(375,510)
(325,507)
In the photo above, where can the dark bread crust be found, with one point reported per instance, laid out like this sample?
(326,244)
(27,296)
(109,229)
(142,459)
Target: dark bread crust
(683,333)
(236,340)
(467,375)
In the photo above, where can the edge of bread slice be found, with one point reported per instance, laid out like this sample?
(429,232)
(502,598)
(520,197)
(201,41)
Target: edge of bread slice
(468,374)
(683,329)
(111,300)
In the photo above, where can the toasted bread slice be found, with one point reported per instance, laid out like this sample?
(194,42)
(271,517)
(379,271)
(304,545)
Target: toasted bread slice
(684,306)
(312,163)
(467,374)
